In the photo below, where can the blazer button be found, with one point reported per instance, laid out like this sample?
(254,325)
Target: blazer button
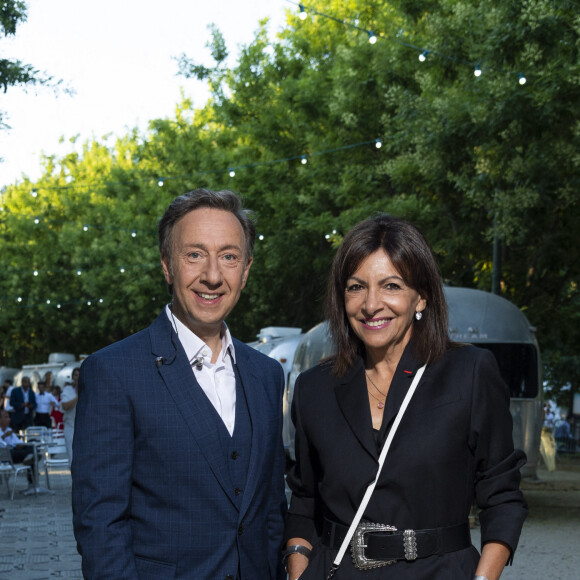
(240,529)
(229,577)
(237,490)
(235,455)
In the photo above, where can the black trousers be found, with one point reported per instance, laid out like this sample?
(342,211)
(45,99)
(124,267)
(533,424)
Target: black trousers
(43,420)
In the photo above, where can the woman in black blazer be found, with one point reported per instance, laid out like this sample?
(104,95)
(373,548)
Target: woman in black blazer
(388,317)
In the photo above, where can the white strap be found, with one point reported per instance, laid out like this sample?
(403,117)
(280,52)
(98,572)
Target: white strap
(382,456)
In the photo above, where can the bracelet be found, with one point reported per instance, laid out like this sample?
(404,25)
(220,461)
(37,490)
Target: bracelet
(298,549)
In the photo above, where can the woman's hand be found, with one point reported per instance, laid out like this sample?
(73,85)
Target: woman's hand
(297,563)
(494,557)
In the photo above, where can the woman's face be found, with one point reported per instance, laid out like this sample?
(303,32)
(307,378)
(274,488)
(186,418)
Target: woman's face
(380,306)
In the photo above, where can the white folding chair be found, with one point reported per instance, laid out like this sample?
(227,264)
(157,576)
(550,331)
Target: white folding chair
(8,467)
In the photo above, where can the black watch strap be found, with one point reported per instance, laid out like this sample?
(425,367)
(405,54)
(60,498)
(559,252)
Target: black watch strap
(297,549)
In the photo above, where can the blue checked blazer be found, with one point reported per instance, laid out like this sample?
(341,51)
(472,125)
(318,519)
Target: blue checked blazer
(152,497)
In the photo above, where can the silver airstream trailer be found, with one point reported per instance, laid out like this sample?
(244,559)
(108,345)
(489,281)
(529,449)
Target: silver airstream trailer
(477,317)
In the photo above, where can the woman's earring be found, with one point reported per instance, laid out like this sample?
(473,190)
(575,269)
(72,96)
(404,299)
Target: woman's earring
(418,315)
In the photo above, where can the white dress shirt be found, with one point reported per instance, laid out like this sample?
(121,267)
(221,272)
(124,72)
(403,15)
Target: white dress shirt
(11,440)
(44,402)
(217,380)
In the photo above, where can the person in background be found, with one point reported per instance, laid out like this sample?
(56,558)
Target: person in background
(6,390)
(56,414)
(388,318)
(547,440)
(20,452)
(45,402)
(68,402)
(23,401)
(178,469)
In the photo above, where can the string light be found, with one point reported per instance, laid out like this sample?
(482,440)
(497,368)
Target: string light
(303,15)
(85,228)
(36,221)
(303,160)
(378,143)
(232,173)
(34,193)
(133,234)
(423,52)
(160,182)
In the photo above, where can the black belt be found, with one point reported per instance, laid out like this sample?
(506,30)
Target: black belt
(391,545)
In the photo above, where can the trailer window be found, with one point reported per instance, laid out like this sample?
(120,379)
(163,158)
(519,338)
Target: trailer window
(518,364)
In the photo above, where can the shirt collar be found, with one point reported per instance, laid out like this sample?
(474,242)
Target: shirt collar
(194,346)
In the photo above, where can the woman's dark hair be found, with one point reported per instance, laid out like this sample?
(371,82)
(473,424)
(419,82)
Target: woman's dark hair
(411,256)
(204,198)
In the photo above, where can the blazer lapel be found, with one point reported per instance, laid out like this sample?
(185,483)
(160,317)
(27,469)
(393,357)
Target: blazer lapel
(253,388)
(353,401)
(179,380)
(402,379)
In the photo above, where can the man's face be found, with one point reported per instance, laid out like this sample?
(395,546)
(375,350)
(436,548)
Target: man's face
(4,419)
(25,383)
(208,269)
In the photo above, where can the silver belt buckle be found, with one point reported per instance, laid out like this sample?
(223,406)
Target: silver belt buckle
(358,545)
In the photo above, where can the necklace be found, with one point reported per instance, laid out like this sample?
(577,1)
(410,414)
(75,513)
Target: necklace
(380,403)
(375,386)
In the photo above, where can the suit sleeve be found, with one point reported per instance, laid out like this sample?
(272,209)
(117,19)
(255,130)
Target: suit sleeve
(497,463)
(103,450)
(278,503)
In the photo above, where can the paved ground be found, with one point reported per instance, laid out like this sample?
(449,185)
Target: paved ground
(36,538)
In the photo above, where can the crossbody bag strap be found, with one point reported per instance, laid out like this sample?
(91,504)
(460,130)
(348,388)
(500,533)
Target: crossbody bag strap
(371,487)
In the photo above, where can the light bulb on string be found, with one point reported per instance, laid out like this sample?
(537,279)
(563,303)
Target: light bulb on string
(232,173)
(303,15)
(522,80)
(34,193)
(261,237)
(48,301)
(36,221)
(423,56)
(85,228)
(35,273)
(303,160)
(79,272)
(378,143)
(88,302)
(372,37)
(133,234)
(19,299)
(122,270)
(477,71)
(160,182)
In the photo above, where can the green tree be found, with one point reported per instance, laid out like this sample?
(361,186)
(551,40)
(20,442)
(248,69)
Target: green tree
(14,72)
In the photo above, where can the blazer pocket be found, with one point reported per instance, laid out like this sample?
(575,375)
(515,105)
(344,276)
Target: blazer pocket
(154,569)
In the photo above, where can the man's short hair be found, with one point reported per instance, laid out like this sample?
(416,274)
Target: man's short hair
(204,198)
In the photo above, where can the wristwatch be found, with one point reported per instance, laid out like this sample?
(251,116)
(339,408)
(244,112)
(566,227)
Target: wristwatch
(479,577)
(297,549)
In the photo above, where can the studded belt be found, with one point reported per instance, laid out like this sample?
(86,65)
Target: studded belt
(375,545)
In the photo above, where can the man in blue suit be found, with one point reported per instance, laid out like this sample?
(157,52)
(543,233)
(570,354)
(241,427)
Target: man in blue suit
(23,401)
(178,463)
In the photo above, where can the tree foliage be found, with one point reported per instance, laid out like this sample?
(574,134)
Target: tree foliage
(471,160)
